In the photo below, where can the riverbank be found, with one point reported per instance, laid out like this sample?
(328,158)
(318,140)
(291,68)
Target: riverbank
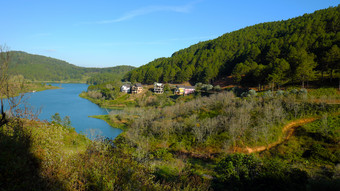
(119,103)
(172,147)
(113,121)
(37,87)
(19,88)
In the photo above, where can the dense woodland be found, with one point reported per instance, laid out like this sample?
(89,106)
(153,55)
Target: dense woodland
(41,68)
(268,53)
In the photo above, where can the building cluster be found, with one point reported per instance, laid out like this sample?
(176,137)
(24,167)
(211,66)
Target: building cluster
(134,89)
(158,89)
(184,90)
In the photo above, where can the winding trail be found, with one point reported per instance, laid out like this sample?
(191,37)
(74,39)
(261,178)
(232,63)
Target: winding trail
(287,131)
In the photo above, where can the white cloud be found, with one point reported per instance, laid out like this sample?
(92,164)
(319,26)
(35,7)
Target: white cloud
(155,42)
(148,10)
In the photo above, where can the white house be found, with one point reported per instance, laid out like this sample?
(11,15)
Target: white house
(126,88)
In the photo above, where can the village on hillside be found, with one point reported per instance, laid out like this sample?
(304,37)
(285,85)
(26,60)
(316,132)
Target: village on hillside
(159,88)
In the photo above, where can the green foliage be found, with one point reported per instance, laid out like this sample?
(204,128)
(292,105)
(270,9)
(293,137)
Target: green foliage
(217,88)
(66,122)
(199,123)
(109,75)
(108,90)
(327,127)
(275,52)
(324,92)
(247,172)
(237,168)
(41,68)
(163,154)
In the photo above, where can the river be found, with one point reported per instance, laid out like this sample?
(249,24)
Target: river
(66,102)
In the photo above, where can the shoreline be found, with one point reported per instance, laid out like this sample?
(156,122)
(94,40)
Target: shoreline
(114,124)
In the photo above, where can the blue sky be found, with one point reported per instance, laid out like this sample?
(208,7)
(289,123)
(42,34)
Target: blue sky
(105,33)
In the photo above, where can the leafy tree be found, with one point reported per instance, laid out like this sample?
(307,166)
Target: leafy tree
(273,52)
(332,59)
(56,118)
(237,170)
(280,70)
(302,42)
(240,70)
(305,65)
(152,75)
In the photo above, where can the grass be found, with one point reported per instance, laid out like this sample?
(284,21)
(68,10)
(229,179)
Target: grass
(119,103)
(29,87)
(113,121)
(37,155)
(312,146)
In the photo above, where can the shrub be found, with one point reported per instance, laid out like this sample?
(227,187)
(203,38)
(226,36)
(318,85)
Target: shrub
(236,170)
(268,94)
(247,172)
(294,91)
(328,92)
(207,87)
(252,92)
(217,88)
(280,93)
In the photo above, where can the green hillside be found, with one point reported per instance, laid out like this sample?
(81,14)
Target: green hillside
(41,68)
(274,52)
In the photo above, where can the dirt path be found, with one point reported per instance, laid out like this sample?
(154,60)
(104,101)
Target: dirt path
(287,131)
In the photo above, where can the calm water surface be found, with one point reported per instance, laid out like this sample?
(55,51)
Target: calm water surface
(66,102)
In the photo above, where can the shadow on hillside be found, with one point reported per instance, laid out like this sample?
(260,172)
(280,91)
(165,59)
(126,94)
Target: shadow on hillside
(20,169)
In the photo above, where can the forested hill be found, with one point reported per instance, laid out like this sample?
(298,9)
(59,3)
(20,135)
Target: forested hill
(273,52)
(42,68)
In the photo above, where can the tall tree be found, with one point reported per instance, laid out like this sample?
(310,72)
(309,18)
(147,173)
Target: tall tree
(4,85)
(305,66)
(152,75)
(279,73)
(332,59)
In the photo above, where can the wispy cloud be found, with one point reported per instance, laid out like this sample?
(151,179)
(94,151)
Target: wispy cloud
(148,10)
(50,50)
(156,42)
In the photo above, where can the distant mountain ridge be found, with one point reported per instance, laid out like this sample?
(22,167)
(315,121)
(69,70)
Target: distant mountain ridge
(274,52)
(42,68)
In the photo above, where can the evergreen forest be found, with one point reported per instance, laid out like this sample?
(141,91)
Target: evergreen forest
(41,68)
(293,51)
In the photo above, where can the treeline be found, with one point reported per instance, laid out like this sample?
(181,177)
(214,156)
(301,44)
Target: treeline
(110,75)
(41,68)
(266,53)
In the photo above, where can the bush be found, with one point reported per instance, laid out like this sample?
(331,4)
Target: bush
(163,154)
(268,94)
(294,91)
(252,92)
(247,172)
(94,94)
(217,88)
(280,93)
(235,171)
(207,87)
(328,92)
